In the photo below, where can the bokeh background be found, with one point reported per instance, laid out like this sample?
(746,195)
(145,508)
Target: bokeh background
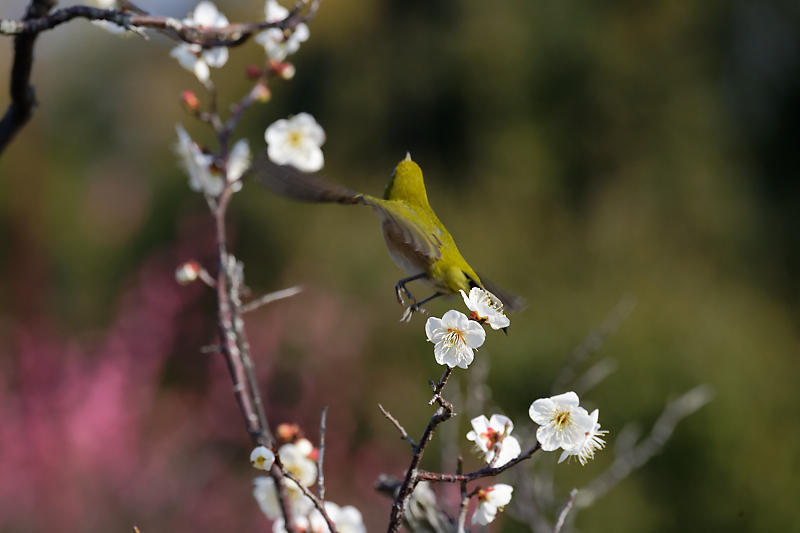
(580,152)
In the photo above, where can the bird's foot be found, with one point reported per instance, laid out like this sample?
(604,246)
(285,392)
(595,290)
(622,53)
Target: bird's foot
(410,310)
(400,289)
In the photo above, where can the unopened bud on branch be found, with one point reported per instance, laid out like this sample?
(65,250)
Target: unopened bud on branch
(261,93)
(187,272)
(287,432)
(253,72)
(284,70)
(190,100)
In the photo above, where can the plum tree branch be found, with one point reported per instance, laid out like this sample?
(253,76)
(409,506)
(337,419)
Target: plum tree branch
(40,16)
(23,98)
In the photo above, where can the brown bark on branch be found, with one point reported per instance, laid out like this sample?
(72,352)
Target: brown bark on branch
(442,413)
(38,18)
(23,98)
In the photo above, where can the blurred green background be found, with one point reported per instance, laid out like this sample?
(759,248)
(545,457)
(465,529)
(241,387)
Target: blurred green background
(578,152)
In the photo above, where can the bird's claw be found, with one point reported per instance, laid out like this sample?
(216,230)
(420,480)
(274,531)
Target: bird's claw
(399,289)
(410,310)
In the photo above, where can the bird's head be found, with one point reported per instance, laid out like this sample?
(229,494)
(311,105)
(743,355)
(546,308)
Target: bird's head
(407,183)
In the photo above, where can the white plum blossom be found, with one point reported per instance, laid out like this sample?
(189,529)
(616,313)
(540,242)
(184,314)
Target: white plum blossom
(296,141)
(455,337)
(194,57)
(493,436)
(592,441)
(266,496)
(238,163)
(490,501)
(197,165)
(317,523)
(295,457)
(262,458)
(187,272)
(485,307)
(347,519)
(276,44)
(562,422)
(301,523)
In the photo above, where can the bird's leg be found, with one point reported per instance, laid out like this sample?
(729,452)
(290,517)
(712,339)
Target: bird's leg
(400,288)
(417,306)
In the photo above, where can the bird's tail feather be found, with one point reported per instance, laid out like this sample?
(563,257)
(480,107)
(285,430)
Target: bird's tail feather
(511,302)
(292,183)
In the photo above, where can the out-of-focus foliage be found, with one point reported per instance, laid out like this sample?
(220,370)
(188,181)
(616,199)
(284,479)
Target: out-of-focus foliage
(578,151)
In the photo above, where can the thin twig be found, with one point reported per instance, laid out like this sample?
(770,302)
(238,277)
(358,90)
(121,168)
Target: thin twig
(403,433)
(486,471)
(276,474)
(229,36)
(269,298)
(562,516)
(318,504)
(250,372)
(442,413)
(462,510)
(206,278)
(437,389)
(238,109)
(321,458)
(227,330)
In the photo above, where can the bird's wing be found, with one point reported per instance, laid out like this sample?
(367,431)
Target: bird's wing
(304,187)
(292,183)
(400,225)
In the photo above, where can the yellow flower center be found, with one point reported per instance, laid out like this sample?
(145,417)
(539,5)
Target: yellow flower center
(563,419)
(454,337)
(295,138)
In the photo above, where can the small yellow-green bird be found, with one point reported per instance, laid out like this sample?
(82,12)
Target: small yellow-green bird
(417,240)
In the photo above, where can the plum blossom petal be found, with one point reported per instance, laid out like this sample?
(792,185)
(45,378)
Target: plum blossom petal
(493,436)
(197,165)
(454,337)
(262,458)
(485,307)
(347,519)
(562,422)
(295,457)
(591,442)
(266,496)
(277,45)
(490,501)
(193,57)
(238,163)
(296,141)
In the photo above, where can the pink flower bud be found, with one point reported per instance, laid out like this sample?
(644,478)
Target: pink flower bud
(284,70)
(287,432)
(253,72)
(190,100)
